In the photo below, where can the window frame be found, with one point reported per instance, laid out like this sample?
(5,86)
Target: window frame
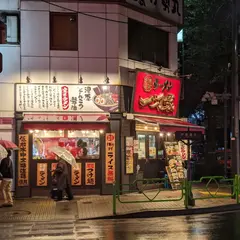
(139,55)
(12,14)
(157,144)
(52,47)
(65,135)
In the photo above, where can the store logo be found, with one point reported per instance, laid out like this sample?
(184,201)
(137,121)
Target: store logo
(65,98)
(110,138)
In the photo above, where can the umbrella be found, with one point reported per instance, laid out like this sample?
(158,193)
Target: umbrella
(8,145)
(64,154)
(3,152)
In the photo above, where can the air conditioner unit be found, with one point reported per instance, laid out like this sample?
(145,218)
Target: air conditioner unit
(12,29)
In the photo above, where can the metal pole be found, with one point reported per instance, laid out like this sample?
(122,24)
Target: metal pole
(225,126)
(235,103)
(190,201)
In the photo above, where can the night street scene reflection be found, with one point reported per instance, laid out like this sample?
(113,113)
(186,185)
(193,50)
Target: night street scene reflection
(119,119)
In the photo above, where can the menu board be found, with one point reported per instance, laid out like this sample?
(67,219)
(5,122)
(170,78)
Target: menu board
(175,168)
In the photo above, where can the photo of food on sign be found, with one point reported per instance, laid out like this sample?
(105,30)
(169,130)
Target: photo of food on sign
(106,98)
(156,94)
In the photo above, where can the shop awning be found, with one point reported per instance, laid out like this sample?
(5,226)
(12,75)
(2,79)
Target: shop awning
(170,124)
(64,121)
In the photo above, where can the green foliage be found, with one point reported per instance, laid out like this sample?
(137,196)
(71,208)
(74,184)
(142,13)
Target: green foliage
(207,48)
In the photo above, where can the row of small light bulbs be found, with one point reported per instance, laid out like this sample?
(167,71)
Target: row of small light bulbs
(61,131)
(161,134)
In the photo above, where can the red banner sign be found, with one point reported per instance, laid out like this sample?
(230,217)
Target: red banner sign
(157,95)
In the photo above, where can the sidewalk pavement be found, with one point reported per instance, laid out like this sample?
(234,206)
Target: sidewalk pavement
(89,207)
(101,206)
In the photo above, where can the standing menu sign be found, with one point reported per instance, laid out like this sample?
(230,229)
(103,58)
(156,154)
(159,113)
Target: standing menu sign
(23,160)
(110,167)
(174,169)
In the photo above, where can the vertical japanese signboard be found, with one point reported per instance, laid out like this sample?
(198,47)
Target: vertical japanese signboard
(77,175)
(129,155)
(42,174)
(23,160)
(110,158)
(90,174)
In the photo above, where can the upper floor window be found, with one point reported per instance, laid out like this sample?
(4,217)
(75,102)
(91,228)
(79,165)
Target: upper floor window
(9,28)
(63,31)
(147,43)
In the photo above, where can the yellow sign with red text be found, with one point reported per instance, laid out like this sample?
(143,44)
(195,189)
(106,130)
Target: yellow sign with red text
(23,160)
(110,161)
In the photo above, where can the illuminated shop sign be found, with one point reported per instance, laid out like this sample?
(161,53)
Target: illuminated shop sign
(156,94)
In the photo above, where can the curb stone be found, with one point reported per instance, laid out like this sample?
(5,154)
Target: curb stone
(171,213)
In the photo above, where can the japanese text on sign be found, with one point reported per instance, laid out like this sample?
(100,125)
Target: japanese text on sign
(110,158)
(90,174)
(23,160)
(77,175)
(170,9)
(129,155)
(66,98)
(41,174)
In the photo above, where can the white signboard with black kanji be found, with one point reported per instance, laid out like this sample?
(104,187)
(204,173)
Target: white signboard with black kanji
(66,98)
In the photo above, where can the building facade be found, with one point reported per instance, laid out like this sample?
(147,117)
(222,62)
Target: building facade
(69,74)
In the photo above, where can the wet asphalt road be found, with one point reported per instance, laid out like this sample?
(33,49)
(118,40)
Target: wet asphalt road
(197,227)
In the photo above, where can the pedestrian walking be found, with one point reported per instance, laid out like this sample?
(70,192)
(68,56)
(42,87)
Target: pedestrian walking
(6,175)
(61,181)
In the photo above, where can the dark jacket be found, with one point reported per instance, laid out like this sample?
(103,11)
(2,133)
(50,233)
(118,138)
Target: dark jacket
(6,168)
(61,175)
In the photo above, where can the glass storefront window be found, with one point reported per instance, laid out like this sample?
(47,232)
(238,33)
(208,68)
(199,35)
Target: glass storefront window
(82,144)
(152,147)
(43,140)
(87,144)
(141,146)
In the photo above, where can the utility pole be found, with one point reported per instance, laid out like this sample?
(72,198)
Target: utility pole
(235,100)
(225,103)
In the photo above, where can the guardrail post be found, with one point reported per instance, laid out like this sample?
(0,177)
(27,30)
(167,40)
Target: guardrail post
(236,181)
(186,192)
(114,199)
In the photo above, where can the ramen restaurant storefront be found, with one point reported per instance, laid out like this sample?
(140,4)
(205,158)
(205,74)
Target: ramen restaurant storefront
(154,121)
(76,117)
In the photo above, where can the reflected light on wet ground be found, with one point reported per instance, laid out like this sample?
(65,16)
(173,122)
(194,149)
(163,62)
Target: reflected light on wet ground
(196,227)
